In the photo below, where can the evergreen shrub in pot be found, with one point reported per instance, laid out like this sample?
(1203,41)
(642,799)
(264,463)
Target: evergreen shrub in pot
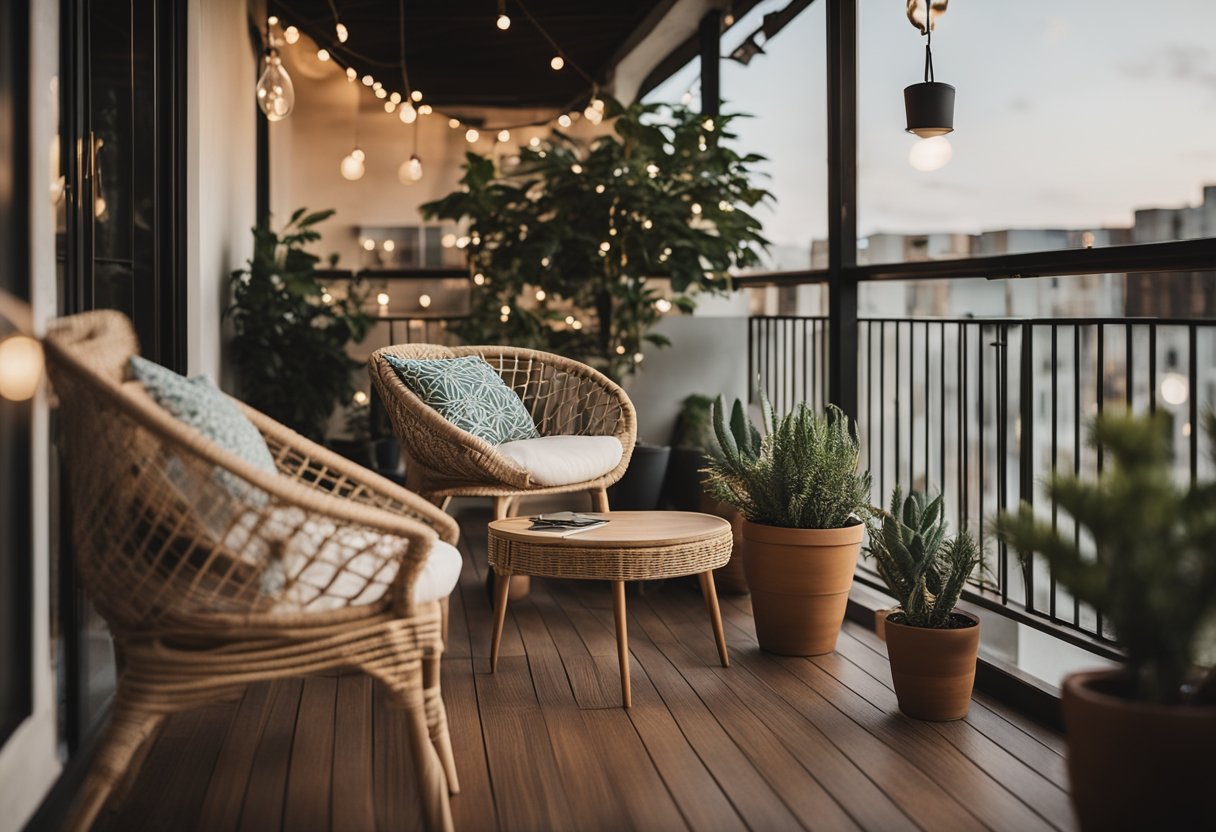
(932,646)
(804,503)
(1141,739)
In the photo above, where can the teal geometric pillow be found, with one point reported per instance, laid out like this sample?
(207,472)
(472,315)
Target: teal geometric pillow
(469,394)
(199,403)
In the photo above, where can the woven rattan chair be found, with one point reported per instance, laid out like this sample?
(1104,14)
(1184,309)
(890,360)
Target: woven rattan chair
(166,553)
(564,397)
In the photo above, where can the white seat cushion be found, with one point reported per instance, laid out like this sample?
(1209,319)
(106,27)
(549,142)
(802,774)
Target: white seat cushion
(439,573)
(563,460)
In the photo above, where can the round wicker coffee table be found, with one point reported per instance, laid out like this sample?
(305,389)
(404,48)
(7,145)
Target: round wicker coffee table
(633,546)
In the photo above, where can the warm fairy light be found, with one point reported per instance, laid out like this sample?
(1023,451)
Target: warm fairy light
(447,240)
(407,113)
(462,242)
(505,310)
(382,93)
(1174,389)
(612,232)
(424,301)
(389,245)
(620,349)
(540,294)
(576,325)
(382,298)
(327,298)
(663,305)
(322,54)
(556,63)
(358,154)
(569,319)
(20,368)
(503,22)
(291,34)
(702,145)
(599,189)
(479,279)
(504,136)
(647,224)
(389,106)
(576,168)
(368,80)
(637,358)
(360,397)
(708,125)
(544,262)
(605,246)
(504,318)
(425,110)
(696,208)
(395,98)
(352,167)
(453,123)
(416,95)
(343,33)
(376,85)
(564,120)
(351,74)
(369,244)
(534,142)
(471,135)
(410,171)
(273,20)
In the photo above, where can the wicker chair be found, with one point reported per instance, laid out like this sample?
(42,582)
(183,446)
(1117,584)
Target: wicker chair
(167,554)
(564,397)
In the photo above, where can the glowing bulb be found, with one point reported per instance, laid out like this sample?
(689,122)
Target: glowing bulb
(395,98)
(453,123)
(504,136)
(652,170)
(376,85)
(382,93)
(410,171)
(368,80)
(504,318)
(389,245)
(20,368)
(276,94)
(503,22)
(663,305)
(540,294)
(343,34)
(611,232)
(369,244)
(647,224)
(322,54)
(447,240)
(358,154)
(291,34)
(599,189)
(1174,389)
(389,106)
(557,62)
(593,115)
(637,358)
(569,319)
(273,20)
(351,74)
(462,242)
(479,279)
(605,246)
(471,135)
(327,298)
(576,325)
(563,120)
(534,142)
(424,301)
(686,98)
(408,114)
(416,95)
(696,208)
(360,397)
(708,124)
(544,262)
(620,349)
(576,168)
(382,298)
(425,110)
(930,154)
(352,167)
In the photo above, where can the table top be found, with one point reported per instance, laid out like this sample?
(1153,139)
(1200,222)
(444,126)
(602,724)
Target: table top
(624,529)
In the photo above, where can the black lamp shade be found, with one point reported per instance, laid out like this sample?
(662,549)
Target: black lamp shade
(930,109)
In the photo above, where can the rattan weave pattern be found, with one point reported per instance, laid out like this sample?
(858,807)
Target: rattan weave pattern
(630,562)
(195,615)
(563,397)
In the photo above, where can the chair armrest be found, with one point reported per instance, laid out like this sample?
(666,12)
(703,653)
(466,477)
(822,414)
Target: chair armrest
(319,468)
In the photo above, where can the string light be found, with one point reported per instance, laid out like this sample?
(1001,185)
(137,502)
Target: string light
(424,110)
(410,170)
(576,168)
(599,189)
(479,279)
(540,294)
(416,95)
(360,397)
(389,106)
(389,245)
(663,305)
(534,142)
(577,324)
(352,167)
(408,114)
(276,94)
(343,33)
(322,54)
(471,135)
(505,310)
(424,301)
(620,349)
(502,21)
(563,120)
(368,80)
(369,245)
(291,34)
(504,136)
(273,20)
(395,98)
(382,298)
(382,93)
(454,123)
(351,74)
(557,63)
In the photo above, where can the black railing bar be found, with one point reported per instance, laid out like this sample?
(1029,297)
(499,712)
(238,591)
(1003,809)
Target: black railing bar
(1129,364)
(1100,395)
(928,386)
(1152,369)
(1078,448)
(395,318)
(942,407)
(1055,421)
(1193,396)
(1002,448)
(1026,455)
(1047,321)
(1077,638)
(963,480)
(979,397)
(882,409)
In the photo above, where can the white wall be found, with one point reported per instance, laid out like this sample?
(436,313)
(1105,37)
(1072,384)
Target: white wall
(221,157)
(28,761)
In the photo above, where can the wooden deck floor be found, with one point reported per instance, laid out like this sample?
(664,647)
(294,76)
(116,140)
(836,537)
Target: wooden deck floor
(769,744)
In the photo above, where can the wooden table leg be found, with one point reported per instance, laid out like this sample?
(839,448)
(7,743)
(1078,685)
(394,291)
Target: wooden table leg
(622,639)
(502,588)
(715,614)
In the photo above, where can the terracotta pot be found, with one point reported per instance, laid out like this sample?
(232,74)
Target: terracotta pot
(1135,765)
(933,669)
(800,581)
(728,579)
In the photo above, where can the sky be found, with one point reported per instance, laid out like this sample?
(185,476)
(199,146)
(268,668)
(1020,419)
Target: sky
(1069,114)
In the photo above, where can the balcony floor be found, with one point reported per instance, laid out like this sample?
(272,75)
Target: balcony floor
(771,743)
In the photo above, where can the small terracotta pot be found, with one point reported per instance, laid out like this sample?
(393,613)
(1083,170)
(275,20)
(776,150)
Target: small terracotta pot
(1135,765)
(933,669)
(800,581)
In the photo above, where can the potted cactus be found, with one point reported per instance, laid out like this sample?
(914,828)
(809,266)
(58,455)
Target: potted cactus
(932,646)
(804,502)
(1140,738)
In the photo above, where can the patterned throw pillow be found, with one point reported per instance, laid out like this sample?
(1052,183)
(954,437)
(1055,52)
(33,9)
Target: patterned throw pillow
(198,403)
(468,393)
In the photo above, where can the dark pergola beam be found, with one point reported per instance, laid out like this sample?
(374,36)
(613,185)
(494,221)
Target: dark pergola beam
(709,35)
(842,204)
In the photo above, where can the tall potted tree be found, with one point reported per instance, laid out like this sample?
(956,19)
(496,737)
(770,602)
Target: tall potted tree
(932,646)
(1141,738)
(804,502)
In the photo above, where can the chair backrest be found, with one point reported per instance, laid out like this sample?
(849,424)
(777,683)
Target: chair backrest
(170,529)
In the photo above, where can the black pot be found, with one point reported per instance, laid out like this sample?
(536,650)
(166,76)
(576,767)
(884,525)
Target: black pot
(642,484)
(684,485)
(930,108)
(356,450)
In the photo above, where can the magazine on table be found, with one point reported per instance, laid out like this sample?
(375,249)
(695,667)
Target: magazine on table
(565,523)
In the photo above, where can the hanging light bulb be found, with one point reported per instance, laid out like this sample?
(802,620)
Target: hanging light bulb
(408,114)
(930,154)
(351,74)
(368,80)
(424,301)
(471,135)
(564,120)
(382,93)
(416,95)
(929,106)
(352,167)
(322,54)
(453,123)
(343,33)
(291,34)
(410,170)
(276,94)
(503,22)
(504,135)
(424,109)
(389,106)
(556,63)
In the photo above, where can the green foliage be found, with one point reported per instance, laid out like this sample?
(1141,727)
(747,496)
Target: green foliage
(694,424)
(925,572)
(541,224)
(801,473)
(289,349)
(1154,574)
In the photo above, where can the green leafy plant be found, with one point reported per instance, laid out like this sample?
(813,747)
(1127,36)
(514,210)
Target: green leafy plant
(289,347)
(801,473)
(569,239)
(1153,575)
(694,424)
(925,572)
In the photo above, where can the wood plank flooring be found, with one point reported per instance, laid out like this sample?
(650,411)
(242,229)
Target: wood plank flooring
(771,743)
